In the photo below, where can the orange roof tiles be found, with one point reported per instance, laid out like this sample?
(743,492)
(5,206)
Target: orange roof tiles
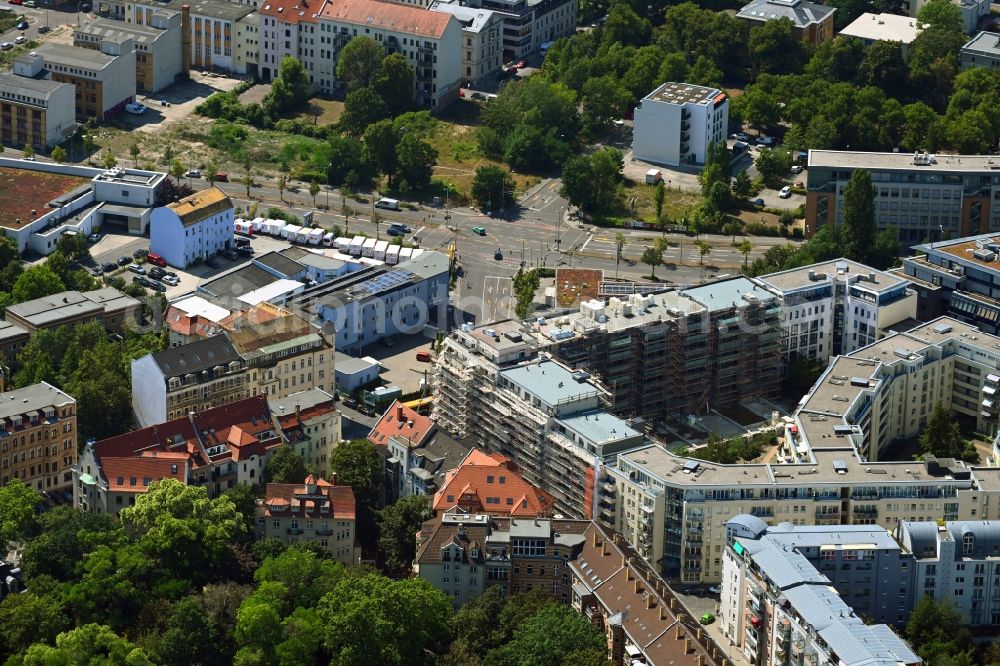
(135,474)
(328,500)
(403,423)
(387,16)
(292,11)
(488,484)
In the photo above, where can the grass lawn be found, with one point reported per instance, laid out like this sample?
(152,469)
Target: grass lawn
(23,191)
(676,203)
(322,111)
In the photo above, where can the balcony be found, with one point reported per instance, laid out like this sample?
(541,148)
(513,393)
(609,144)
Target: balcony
(322,532)
(294,530)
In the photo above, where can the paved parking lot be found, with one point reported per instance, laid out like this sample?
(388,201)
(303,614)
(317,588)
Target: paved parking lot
(400,365)
(182,97)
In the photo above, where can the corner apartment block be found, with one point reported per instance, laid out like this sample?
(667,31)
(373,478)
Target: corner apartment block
(676,123)
(38,437)
(192,229)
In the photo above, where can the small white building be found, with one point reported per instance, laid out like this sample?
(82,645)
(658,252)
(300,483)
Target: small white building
(677,122)
(871,28)
(482,44)
(983,50)
(194,228)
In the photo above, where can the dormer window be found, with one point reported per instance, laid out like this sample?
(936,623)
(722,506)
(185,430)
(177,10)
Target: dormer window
(968,544)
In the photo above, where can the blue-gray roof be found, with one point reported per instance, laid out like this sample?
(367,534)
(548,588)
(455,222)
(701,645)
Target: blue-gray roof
(820,606)
(549,382)
(855,644)
(727,294)
(986,536)
(599,426)
(785,568)
(745,525)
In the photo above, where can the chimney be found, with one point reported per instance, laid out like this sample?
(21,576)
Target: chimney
(673,603)
(687,645)
(399,412)
(624,561)
(298,412)
(637,587)
(186,39)
(663,612)
(649,600)
(678,632)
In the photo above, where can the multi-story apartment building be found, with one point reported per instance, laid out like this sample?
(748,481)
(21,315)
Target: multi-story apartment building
(837,306)
(971,10)
(678,122)
(35,112)
(12,341)
(193,318)
(983,50)
(194,228)
(957,562)
(247,45)
(430,41)
(813,22)
(309,422)
(548,419)
(157,44)
(284,354)
(964,276)
(104,78)
(527,24)
(171,383)
(216,448)
(674,353)
(107,305)
(287,28)
(38,437)
(778,608)
(314,512)
(482,44)
(462,554)
(490,484)
(923,197)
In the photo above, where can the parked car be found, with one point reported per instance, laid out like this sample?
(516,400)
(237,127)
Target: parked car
(424,356)
(172,280)
(498,255)
(478,95)
(222,177)
(245,250)
(350,402)
(20,39)
(94,237)
(6,46)
(137,269)
(230,254)
(405,228)
(42,29)
(149,284)
(96,271)
(192,173)
(140,253)
(21,25)
(785,192)
(740,136)
(758,203)
(392,231)
(366,409)
(137,108)
(715,589)
(764,141)
(108,267)
(156,260)
(797,168)
(479,231)
(124,261)
(156,272)
(707,618)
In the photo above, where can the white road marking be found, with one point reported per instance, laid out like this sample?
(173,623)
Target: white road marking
(587,242)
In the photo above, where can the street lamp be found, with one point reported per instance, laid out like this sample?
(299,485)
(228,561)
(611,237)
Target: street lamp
(328,167)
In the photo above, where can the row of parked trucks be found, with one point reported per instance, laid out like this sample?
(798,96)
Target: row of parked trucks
(359,246)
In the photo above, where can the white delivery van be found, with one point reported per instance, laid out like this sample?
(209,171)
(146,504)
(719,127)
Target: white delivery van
(328,239)
(256,224)
(368,249)
(380,248)
(392,255)
(277,227)
(290,231)
(388,204)
(302,235)
(356,244)
(405,254)
(343,244)
(316,236)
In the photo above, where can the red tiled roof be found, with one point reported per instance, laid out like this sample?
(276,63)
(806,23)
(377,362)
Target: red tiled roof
(292,11)
(135,474)
(338,498)
(403,423)
(485,484)
(387,16)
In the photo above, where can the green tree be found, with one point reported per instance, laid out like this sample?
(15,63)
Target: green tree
(18,510)
(705,72)
(36,282)
(525,286)
(941,15)
(372,620)
(65,536)
(416,162)
(289,90)
(555,634)
(606,167)
(381,141)
(942,437)
(884,67)
(398,524)
(188,533)
(59,155)
(177,171)
(659,195)
(314,189)
(773,164)
(774,48)
(742,185)
(359,62)
(704,249)
(286,466)
(493,184)
(108,159)
(88,144)
(758,107)
(624,26)
(30,618)
(394,83)
(935,630)
(604,98)
(135,151)
(189,636)
(282,185)
(359,466)
(29,151)
(745,248)
(859,216)
(92,644)
(73,246)
(362,107)
(576,178)
(652,256)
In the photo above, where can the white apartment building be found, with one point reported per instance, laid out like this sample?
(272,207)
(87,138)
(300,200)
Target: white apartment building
(983,50)
(194,228)
(677,122)
(530,23)
(777,608)
(836,307)
(157,45)
(35,112)
(104,79)
(482,44)
(287,28)
(972,11)
(958,562)
(430,41)
(309,422)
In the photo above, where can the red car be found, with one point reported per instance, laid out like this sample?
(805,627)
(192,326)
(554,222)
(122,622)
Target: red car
(520,64)
(17,2)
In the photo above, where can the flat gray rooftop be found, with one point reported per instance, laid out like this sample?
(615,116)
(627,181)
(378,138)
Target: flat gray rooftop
(30,398)
(843,159)
(54,308)
(985,42)
(599,427)
(549,381)
(727,294)
(682,93)
(74,56)
(798,278)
